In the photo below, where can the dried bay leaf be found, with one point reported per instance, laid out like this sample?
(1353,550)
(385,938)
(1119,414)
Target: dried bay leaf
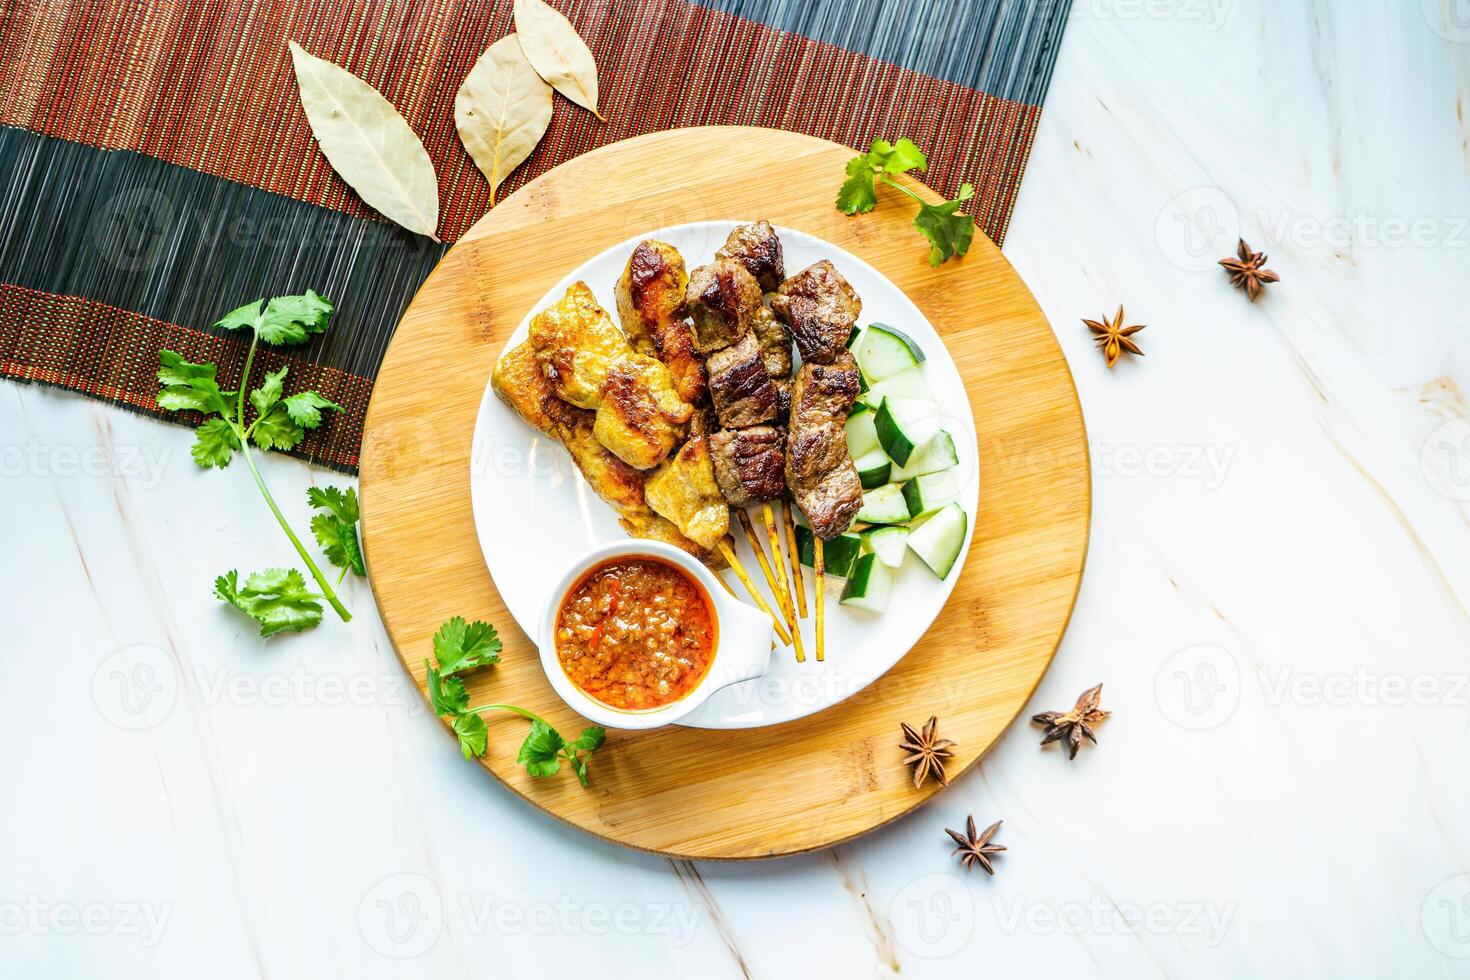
(558,52)
(368,143)
(502,110)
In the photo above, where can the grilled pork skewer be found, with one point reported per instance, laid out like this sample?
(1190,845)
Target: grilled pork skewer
(650,298)
(820,308)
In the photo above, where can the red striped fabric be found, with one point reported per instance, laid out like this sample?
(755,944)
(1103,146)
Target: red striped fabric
(112,354)
(207,84)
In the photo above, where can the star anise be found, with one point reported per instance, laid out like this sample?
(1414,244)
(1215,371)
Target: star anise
(1246,272)
(1074,725)
(976,849)
(1113,338)
(927,751)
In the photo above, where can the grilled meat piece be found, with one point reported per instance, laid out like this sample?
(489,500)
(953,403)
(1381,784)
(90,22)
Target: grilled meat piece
(739,385)
(756,247)
(520,383)
(820,472)
(750,464)
(722,297)
(650,296)
(640,417)
(774,343)
(683,489)
(820,308)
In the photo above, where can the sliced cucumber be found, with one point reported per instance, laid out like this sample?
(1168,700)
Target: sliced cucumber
(896,425)
(883,352)
(869,586)
(852,337)
(909,383)
(926,494)
(862,434)
(884,505)
(873,468)
(939,540)
(888,543)
(935,455)
(838,555)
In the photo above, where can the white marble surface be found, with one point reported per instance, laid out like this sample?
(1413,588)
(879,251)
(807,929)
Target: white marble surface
(1275,599)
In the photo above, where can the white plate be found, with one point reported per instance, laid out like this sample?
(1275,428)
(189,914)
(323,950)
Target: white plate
(533,509)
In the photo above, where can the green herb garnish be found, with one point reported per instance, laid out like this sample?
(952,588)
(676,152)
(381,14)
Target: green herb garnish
(949,232)
(277,598)
(461,646)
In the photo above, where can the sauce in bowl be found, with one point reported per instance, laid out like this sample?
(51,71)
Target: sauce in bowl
(636,632)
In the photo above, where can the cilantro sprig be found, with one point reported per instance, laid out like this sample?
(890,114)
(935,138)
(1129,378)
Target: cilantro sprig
(460,646)
(949,232)
(277,598)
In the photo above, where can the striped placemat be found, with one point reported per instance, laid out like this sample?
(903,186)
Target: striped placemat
(156,168)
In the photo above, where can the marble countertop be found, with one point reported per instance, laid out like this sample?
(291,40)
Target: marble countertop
(1275,599)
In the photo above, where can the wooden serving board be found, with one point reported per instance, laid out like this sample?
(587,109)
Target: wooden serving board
(809,783)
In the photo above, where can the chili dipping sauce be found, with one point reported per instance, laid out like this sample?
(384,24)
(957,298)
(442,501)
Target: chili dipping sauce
(636,632)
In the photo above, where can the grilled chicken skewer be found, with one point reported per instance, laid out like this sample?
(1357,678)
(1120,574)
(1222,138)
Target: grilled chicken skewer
(520,383)
(640,416)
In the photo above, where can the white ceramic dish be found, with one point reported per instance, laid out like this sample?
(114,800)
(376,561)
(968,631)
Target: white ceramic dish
(743,637)
(534,514)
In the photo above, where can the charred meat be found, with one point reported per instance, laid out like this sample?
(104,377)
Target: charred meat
(823,480)
(721,297)
(775,345)
(756,247)
(739,385)
(650,296)
(820,308)
(750,464)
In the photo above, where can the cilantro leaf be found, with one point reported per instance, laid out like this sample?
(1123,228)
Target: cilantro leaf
(215,443)
(305,408)
(336,529)
(540,752)
(265,397)
(460,646)
(900,158)
(276,430)
(190,386)
(577,752)
(857,194)
(949,232)
(283,320)
(276,598)
(473,737)
(446,694)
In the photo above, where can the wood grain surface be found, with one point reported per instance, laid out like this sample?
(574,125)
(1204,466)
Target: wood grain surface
(825,778)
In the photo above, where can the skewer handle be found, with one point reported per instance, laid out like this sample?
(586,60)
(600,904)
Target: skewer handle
(755,593)
(821,570)
(787,606)
(796,576)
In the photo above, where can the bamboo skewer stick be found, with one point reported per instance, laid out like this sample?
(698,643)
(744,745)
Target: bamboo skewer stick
(760,556)
(790,607)
(796,577)
(755,593)
(820,564)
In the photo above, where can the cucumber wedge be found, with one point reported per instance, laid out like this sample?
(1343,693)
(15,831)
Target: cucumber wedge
(939,540)
(869,586)
(862,434)
(926,494)
(897,422)
(838,555)
(888,543)
(908,383)
(935,455)
(873,468)
(883,352)
(884,505)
